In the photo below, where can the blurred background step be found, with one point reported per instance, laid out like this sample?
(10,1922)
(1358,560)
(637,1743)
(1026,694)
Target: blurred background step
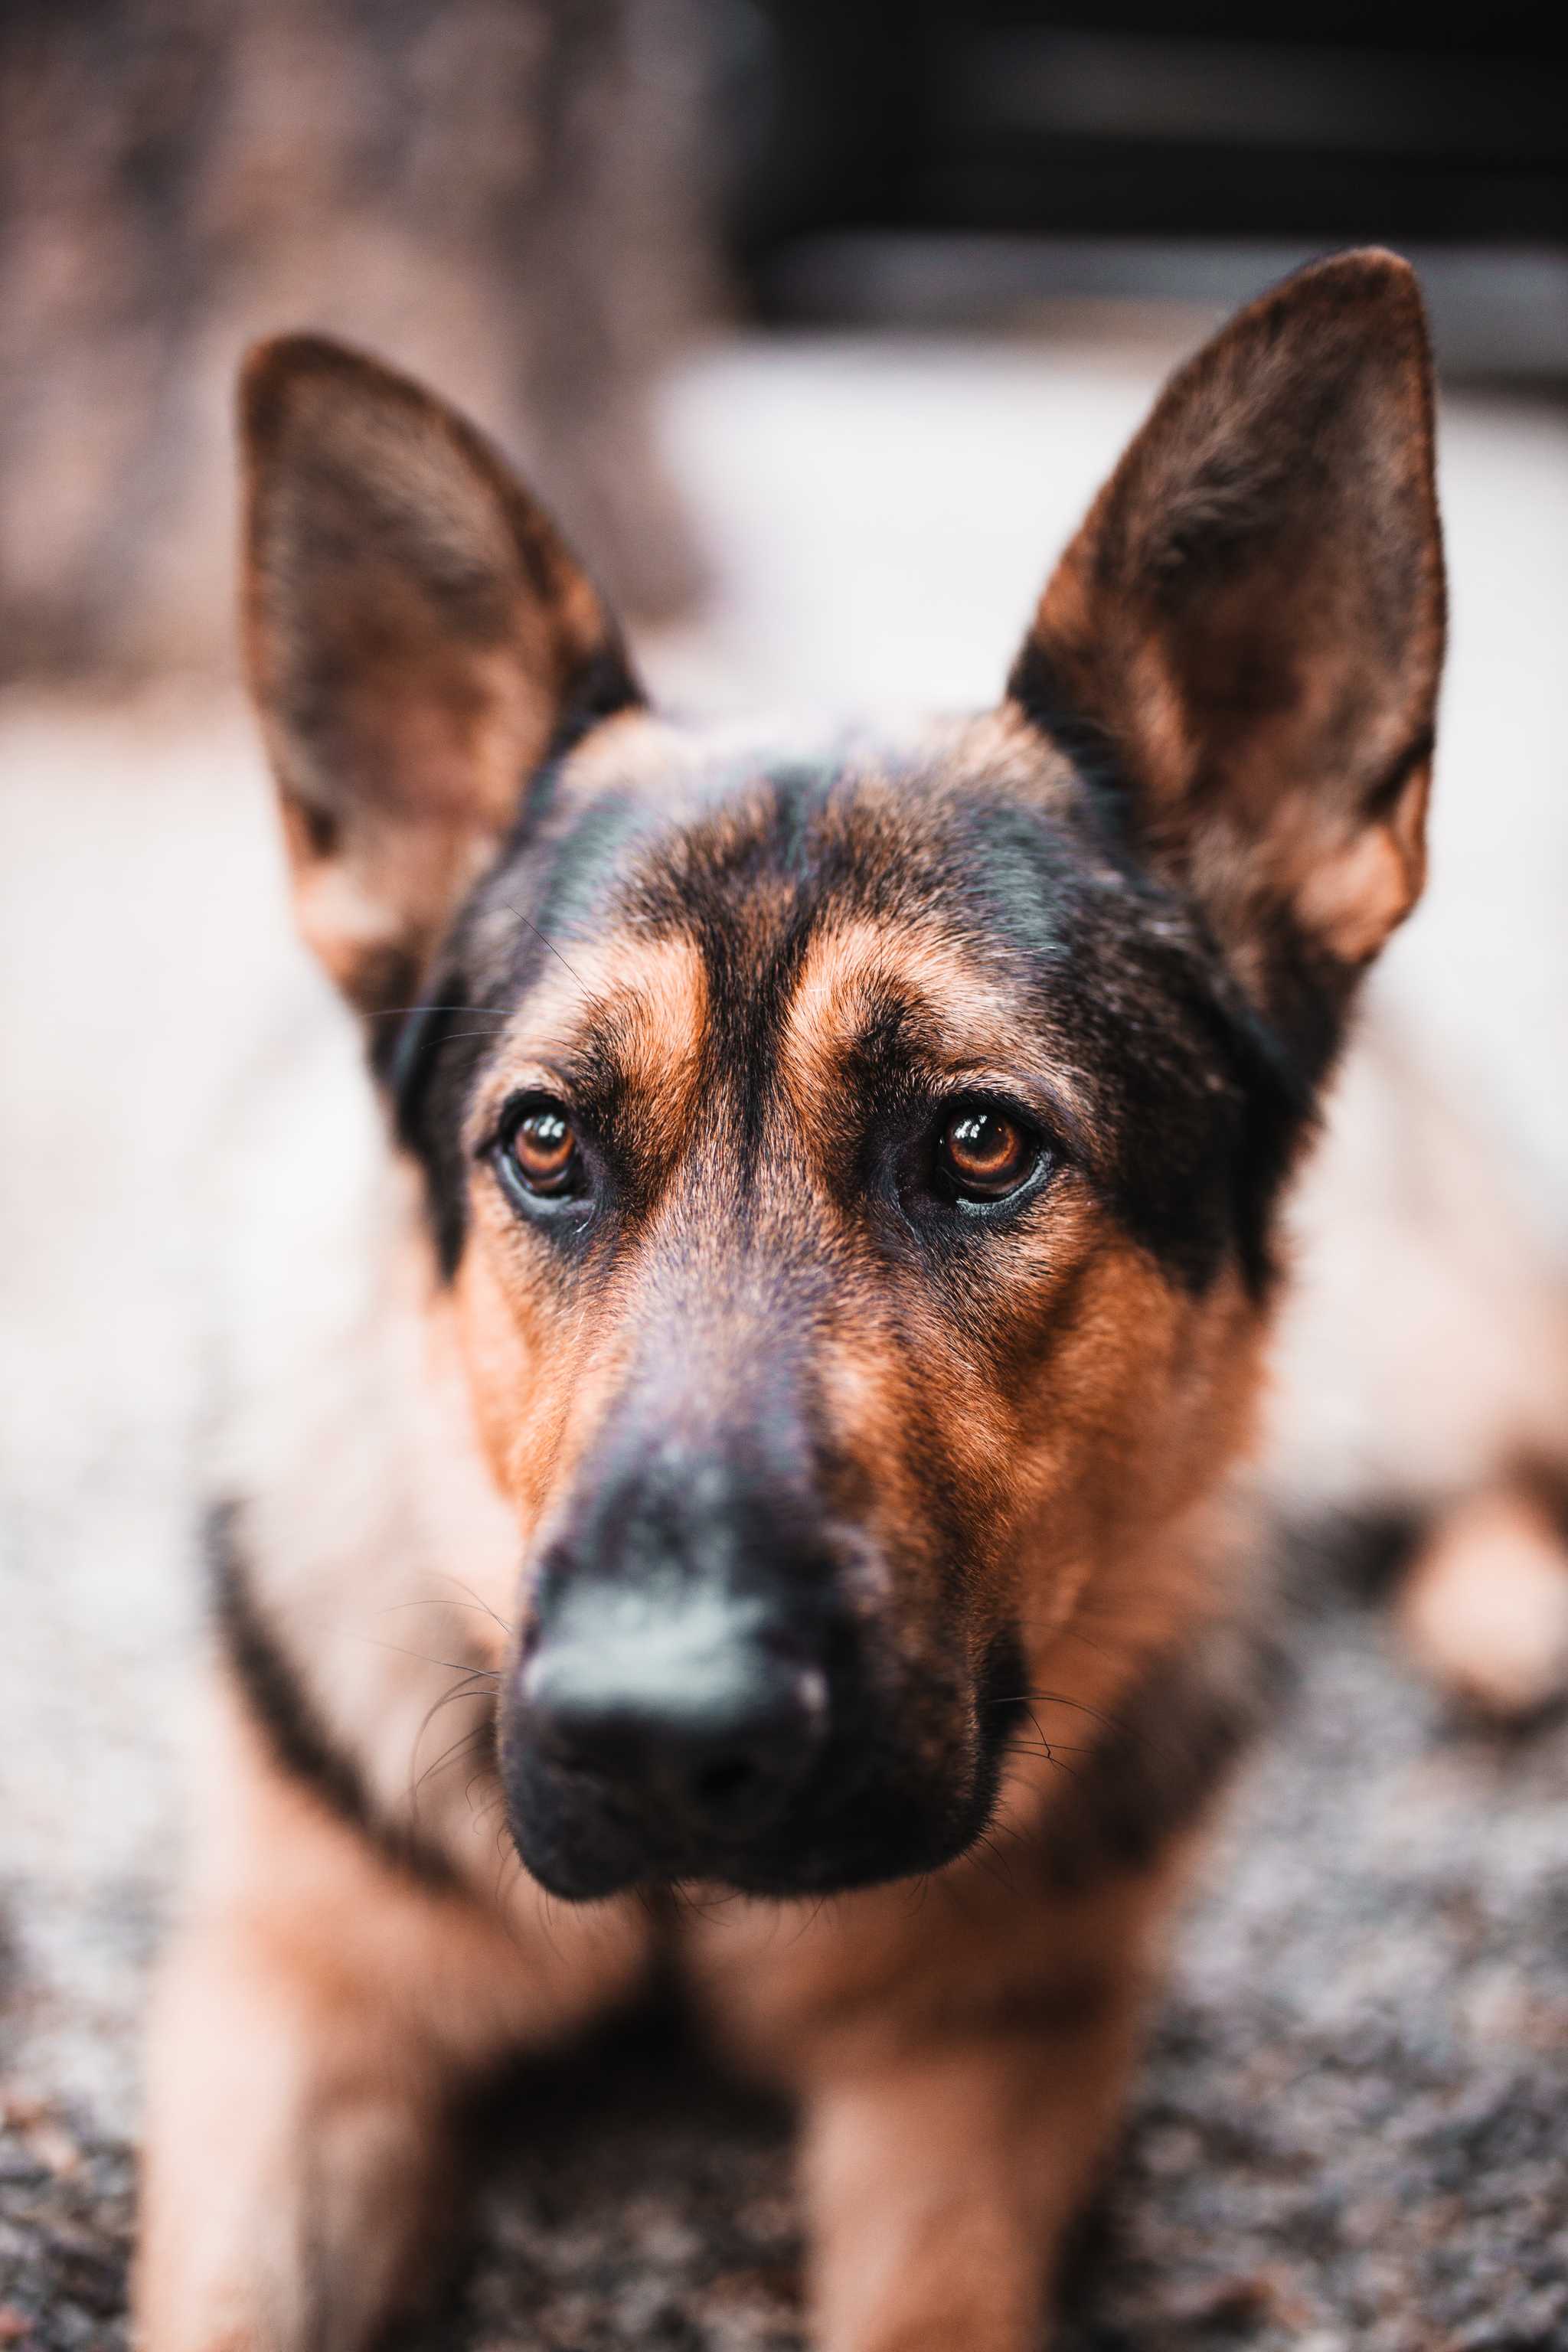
(968,164)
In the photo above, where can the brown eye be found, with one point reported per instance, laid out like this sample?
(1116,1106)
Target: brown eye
(543,1151)
(983,1154)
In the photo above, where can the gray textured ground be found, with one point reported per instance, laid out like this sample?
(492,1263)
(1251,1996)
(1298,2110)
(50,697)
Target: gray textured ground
(1354,2131)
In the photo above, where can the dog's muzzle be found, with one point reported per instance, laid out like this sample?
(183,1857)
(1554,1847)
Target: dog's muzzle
(705,1691)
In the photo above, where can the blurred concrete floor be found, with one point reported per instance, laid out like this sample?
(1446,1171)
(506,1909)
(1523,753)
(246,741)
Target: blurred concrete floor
(881,515)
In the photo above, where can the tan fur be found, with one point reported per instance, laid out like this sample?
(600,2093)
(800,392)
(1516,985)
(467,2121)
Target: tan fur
(849,967)
(540,1380)
(645,996)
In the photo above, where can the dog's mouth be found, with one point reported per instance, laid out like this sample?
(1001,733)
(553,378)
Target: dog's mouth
(821,1796)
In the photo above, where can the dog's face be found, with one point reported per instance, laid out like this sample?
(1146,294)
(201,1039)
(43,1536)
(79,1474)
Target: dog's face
(850,1170)
(820,1259)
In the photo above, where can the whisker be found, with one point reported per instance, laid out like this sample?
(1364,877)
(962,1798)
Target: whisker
(474,1601)
(539,935)
(401,1012)
(464,1739)
(1048,1756)
(454,1666)
(1077,1634)
(441,1601)
(336,1629)
(987,1859)
(1062,1698)
(469,1687)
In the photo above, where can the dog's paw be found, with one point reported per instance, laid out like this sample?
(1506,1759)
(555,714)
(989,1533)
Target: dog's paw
(1484,1605)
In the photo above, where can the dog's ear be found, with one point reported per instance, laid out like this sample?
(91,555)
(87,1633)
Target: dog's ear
(1244,640)
(418,638)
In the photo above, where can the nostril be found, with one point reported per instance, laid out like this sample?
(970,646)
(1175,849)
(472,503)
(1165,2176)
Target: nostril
(737,1777)
(729,1786)
(608,1747)
(694,1740)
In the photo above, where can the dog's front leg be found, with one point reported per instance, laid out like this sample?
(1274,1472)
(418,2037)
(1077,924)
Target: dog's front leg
(959,2055)
(317,2022)
(939,2182)
(296,2155)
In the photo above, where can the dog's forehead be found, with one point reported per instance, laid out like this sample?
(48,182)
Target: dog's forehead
(692,920)
(691,768)
(745,841)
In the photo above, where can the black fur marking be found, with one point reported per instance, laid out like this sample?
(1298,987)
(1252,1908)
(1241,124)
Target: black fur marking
(431,1070)
(704,888)
(1197,1107)
(401,1051)
(544,880)
(601,687)
(284,1711)
(1033,684)
(1416,755)
(1201,1103)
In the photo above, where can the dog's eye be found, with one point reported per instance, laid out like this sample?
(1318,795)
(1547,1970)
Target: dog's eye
(981,1155)
(543,1152)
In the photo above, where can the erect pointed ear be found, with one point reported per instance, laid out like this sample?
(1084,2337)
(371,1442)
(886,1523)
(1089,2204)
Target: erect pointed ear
(1245,638)
(418,638)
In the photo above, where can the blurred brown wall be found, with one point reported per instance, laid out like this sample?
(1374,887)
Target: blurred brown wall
(504,195)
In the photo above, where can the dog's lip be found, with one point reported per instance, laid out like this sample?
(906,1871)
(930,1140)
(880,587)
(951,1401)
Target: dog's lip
(665,1858)
(853,1849)
(816,1872)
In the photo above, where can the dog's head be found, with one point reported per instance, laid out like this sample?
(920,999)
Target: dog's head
(850,1172)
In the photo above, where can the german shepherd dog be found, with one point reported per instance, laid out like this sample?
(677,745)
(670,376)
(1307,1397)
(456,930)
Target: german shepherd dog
(770,1343)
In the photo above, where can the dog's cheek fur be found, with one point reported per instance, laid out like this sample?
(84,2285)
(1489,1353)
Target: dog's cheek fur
(1025,1472)
(505,1319)
(919,1497)
(1144,1395)
(542,1362)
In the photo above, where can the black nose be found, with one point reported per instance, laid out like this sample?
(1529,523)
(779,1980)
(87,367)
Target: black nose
(694,1721)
